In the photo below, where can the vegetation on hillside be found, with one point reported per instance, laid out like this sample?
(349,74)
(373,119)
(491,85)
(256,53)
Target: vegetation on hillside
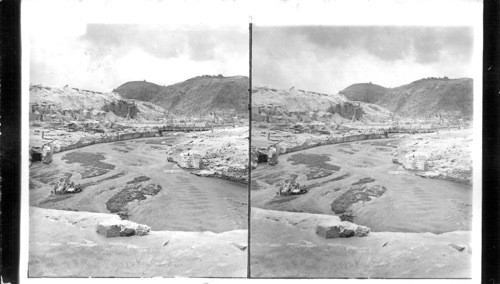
(199,95)
(424,98)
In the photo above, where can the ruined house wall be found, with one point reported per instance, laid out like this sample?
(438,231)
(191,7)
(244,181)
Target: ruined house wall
(337,140)
(347,110)
(121,108)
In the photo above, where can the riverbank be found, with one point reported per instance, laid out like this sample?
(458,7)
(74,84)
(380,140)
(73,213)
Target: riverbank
(220,153)
(441,155)
(283,249)
(66,244)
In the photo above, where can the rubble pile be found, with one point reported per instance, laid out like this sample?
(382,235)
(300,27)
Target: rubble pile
(343,229)
(121,228)
(222,153)
(65,186)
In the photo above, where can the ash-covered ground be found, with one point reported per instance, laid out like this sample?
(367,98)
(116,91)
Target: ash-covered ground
(327,167)
(123,188)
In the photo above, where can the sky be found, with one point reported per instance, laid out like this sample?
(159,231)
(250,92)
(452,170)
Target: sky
(101,57)
(330,58)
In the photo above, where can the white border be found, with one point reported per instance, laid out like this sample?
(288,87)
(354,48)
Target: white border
(260,12)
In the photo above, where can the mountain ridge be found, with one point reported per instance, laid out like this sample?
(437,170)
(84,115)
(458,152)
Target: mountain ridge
(422,98)
(195,96)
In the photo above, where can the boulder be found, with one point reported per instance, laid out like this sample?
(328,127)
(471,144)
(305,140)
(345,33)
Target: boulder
(416,161)
(342,229)
(273,154)
(460,248)
(189,160)
(47,152)
(240,246)
(121,228)
(289,187)
(205,173)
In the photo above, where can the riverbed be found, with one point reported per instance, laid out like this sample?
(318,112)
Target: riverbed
(118,178)
(360,180)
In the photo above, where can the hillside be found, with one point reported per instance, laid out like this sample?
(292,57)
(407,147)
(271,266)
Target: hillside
(423,98)
(138,90)
(61,101)
(293,102)
(199,95)
(364,92)
(429,97)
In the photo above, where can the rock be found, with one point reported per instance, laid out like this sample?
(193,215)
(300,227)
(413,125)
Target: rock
(65,186)
(273,154)
(121,228)
(205,173)
(47,152)
(290,186)
(460,248)
(240,246)
(189,160)
(343,229)
(416,161)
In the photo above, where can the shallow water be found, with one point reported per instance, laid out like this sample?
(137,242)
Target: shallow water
(410,203)
(185,203)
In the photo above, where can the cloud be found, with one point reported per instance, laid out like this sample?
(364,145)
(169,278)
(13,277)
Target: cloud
(164,43)
(329,58)
(105,56)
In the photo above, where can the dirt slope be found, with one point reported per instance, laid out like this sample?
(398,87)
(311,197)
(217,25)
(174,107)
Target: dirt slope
(198,95)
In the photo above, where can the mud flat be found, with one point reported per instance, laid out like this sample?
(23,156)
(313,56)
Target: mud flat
(65,244)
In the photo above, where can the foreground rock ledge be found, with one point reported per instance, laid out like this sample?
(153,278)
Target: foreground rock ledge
(285,244)
(65,244)
(122,228)
(326,226)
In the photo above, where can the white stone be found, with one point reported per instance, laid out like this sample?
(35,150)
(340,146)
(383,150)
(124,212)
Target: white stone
(334,229)
(121,228)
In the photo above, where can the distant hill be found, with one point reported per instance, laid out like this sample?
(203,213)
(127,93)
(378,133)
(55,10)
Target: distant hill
(422,98)
(364,92)
(196,96)
(138,90)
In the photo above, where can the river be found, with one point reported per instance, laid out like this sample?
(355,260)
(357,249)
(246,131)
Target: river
(185,203)
(409,204)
